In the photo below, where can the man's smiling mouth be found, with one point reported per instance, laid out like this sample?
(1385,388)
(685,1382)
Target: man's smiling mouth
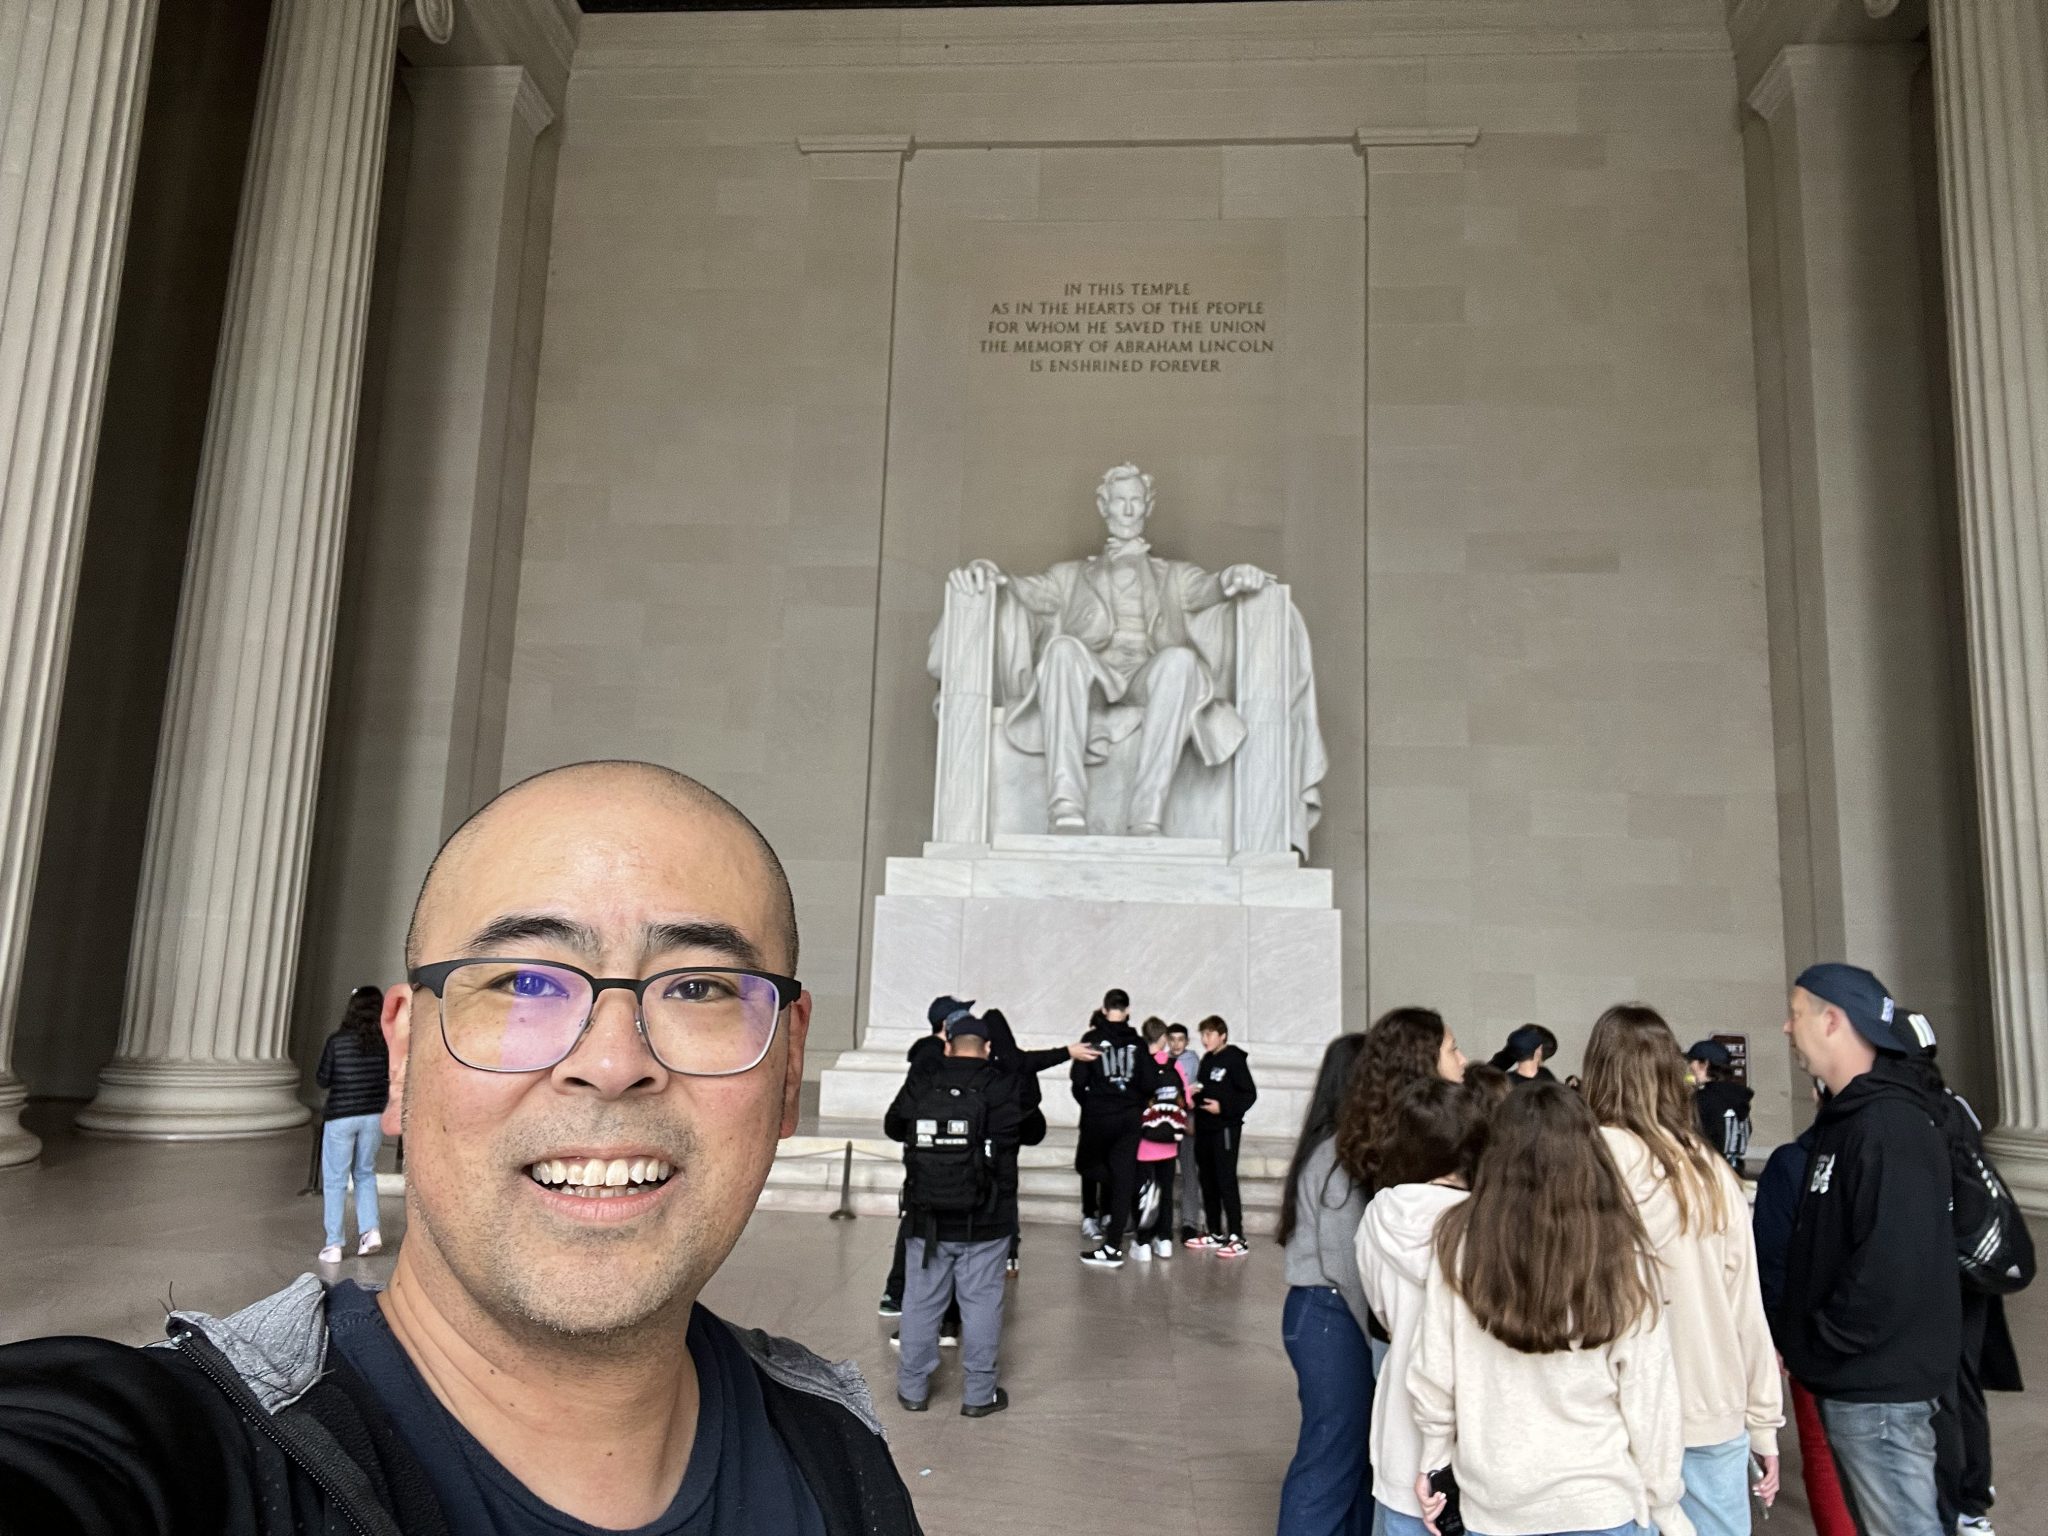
(599,1178)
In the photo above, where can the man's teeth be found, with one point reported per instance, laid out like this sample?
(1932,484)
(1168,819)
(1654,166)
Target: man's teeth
(598,1178)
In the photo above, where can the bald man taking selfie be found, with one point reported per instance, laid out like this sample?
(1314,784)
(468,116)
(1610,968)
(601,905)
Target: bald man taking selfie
(600,1044)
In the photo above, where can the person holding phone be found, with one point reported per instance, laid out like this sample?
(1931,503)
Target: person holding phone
(1542,1376)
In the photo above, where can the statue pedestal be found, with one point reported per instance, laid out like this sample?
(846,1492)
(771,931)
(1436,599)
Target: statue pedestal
(1041,926)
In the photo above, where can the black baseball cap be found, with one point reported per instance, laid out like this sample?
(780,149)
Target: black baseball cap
(965,1023)
(1712,1052)
(1861,997)
(943,1008)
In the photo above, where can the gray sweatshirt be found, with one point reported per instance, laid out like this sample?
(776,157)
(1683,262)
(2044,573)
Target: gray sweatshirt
(1324,1247)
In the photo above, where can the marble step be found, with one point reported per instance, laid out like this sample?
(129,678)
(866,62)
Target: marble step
(810,1165)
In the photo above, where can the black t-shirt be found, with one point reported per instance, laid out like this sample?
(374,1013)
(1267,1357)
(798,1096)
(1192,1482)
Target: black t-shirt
(740,1482)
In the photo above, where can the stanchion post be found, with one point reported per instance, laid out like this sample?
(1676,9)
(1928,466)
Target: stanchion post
(845,1211)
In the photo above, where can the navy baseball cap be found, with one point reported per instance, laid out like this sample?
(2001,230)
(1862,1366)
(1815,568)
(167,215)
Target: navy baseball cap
(1860,996)
(1712,1052)
(943,1008)
(965,1023)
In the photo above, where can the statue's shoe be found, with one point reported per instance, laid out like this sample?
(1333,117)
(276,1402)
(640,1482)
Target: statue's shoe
(1145,829)
(1068,818)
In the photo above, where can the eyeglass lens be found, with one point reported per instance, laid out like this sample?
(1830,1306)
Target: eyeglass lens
(519,1016)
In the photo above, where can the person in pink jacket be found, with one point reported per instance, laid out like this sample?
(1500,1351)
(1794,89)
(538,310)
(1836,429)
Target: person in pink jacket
(1164,1127)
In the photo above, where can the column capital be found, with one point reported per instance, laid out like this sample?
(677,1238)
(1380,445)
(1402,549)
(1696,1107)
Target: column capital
(436,18)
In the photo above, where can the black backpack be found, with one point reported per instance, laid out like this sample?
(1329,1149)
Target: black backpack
(1994,1250)
(1166,1117)
(948,1168)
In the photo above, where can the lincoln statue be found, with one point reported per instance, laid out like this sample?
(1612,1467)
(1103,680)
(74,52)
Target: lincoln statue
(1120,644)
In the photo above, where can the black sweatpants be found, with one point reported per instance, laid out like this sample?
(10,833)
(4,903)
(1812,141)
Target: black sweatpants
(1109,1151)
(1216,1163)
(1160,1173)
(1962,1425)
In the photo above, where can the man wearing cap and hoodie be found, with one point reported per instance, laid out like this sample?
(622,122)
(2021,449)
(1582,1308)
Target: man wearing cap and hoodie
(958,1252)
(1870,1320)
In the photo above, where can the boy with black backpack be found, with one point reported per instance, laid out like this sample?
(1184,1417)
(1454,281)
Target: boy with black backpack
(960,1123)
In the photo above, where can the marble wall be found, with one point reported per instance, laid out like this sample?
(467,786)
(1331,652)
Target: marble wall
(1507,456)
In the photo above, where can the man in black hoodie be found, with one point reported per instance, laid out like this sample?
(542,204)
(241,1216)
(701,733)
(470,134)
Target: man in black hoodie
(1113,1090)
(1224,1095)
(1870,1320)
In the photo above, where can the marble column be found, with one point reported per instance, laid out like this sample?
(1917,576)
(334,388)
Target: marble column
(1861,622)
(203,1048)
(423,650)
(1991,107)
(72,78)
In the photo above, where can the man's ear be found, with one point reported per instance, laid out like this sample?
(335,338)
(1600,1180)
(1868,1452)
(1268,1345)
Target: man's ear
(396,1021)
(798,1024)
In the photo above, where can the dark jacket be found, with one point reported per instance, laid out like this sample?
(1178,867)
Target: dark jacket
(251,1425)
(1121,1081)
(1724,1107)
(1872,1305)
(1004,1127)
(1776,1210)
(1225,1077)
(357,1080)
(1005,1052)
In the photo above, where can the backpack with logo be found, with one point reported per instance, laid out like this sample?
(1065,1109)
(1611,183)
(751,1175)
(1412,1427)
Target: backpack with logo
(1166,1116)
(948,1169)
(1994,1249)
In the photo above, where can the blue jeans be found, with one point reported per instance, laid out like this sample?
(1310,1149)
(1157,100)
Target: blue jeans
(1328,1491)
(1717,1487)
(1885,1453)
(349,1147)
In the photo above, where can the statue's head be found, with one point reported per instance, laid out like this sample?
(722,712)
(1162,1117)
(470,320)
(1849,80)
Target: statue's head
(1125,500)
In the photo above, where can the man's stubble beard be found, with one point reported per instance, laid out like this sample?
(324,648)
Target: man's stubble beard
(500,1265)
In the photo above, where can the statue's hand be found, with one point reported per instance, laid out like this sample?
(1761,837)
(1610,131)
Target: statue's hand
(976,577)
(1240,579)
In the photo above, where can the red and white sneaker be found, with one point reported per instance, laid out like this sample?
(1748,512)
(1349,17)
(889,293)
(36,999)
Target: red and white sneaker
(1205,1241)
(1233,1248)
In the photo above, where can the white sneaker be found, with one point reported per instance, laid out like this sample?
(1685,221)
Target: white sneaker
(331,1254)
(1141,1251)
(373,1242)
(1091,1229)
(1163,1246)
(1974,1525)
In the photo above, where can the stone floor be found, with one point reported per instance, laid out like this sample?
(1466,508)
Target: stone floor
(1152,1398)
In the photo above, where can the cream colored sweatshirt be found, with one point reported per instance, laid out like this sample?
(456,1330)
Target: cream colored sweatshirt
(1727,1366)
(1576,1440)
(1396,1252)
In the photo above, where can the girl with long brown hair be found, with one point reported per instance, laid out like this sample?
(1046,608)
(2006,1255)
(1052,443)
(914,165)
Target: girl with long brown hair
(1542,1373)
(1695,1217)
(1404,1045)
